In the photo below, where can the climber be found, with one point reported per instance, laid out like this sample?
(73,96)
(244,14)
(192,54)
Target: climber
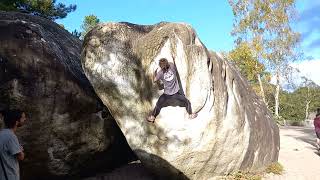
(168,75)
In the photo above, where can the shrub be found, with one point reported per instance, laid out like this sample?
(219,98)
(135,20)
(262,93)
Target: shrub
(275,168)
(243,176)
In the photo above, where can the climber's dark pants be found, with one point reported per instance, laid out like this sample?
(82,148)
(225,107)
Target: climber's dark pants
(165,97)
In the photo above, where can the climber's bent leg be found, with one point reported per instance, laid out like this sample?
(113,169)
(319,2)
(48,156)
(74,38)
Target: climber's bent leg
(186,103)
(184,100)
(162,99)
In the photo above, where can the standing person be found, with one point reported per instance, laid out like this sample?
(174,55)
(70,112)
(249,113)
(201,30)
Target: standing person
(10,149)
(168,76)
(316,123)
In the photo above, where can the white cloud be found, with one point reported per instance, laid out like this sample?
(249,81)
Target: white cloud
(309,69)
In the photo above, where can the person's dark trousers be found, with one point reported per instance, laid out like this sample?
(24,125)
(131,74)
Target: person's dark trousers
(164,97)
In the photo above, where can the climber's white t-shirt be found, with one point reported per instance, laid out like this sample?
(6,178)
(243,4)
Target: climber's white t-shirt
(169,79)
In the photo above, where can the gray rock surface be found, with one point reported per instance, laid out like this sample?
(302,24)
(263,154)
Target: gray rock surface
(233,131)
(68,131)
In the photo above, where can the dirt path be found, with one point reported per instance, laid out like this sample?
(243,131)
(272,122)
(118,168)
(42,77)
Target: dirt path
(298,154)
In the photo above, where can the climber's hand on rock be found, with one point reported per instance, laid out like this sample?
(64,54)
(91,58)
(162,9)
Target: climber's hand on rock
(154,75)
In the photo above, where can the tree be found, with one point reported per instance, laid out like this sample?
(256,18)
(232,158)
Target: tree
(281,41)
(250,67)
(244,59)
(44,8)
(265,25)
(310,93)
(76,33)
(296,105)
(10,5)
(248,27)
(88,23)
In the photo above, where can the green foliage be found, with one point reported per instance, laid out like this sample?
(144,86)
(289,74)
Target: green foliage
(249,65)
(45,8)
(249,24)
(293,105)
(275,168)
(249,27)
(266,26)
(88,23)
(279,120)
(283,40)
(268,91)
(76,33)
(10,5)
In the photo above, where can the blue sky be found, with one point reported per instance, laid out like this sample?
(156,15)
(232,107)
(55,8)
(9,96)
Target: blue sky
(212,20)
(308,25)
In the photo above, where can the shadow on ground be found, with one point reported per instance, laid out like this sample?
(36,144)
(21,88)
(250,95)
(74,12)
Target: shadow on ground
(307,135)
(137,171)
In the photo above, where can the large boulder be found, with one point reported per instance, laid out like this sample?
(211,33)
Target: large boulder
(68,132)
(234,129)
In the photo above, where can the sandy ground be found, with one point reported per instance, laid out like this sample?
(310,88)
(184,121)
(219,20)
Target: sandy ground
(298,154)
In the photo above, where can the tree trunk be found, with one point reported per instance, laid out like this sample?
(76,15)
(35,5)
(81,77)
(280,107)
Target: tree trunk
(276,97)
(308,101)
(261,89)
(307,109)
(261,86)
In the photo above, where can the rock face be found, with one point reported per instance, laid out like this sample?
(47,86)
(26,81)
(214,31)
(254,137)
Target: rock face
(67,132)
(233,130)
